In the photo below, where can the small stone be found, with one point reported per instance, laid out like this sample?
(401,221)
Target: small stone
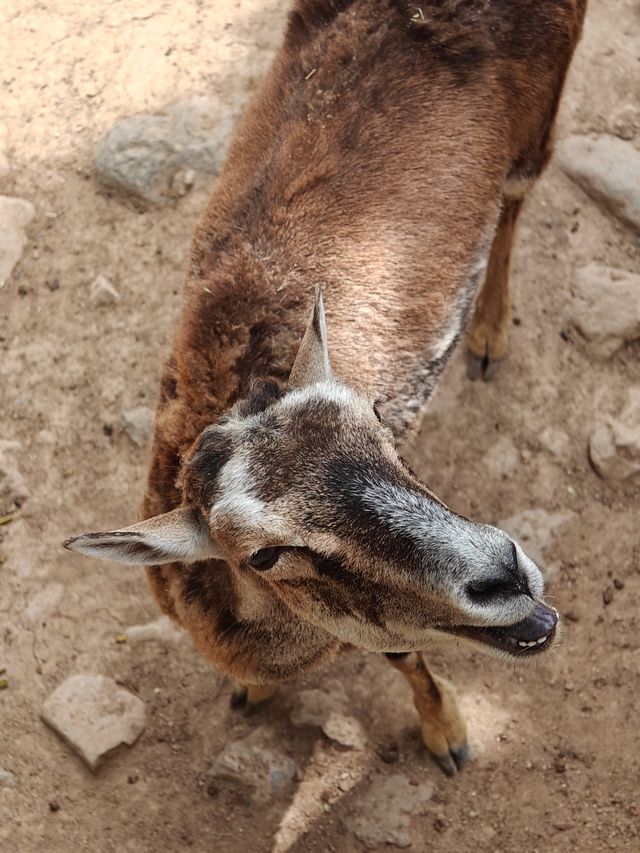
(607,595)
(346,731)
(534,529)
(255,765)
(503,458)
(120,639)
(614,446)
(439,825)
(618,583)
(53,285)
(15,215)
(556,441)
(54,806)
(107,429)
(163,630)
(94,716)
(102,292)
(606,307)
(6,777)
(626,122)
(4,683)
(608,170)
(155,156)
(132,778)
(138,424)
(382,814)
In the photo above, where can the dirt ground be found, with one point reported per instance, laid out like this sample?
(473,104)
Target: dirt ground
(556,747)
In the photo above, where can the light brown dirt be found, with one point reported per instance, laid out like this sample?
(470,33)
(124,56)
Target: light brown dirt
(557,749)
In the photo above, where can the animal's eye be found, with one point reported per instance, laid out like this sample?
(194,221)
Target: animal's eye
(265,558)
(376,411)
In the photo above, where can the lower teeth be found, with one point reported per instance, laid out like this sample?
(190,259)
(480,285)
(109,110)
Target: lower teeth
(539,642)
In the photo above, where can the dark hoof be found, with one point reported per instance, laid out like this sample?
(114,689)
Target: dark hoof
(454,760)
(478,367)
(239,699)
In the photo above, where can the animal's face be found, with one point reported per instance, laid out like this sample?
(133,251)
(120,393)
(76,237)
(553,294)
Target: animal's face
(301,491)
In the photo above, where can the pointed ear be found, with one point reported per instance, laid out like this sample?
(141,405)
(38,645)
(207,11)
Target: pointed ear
(312,362)
(180,535)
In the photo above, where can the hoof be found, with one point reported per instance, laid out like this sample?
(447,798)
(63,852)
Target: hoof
(481,367)
(452,761)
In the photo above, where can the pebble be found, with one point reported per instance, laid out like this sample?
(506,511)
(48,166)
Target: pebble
(6,777)
(346,731)
(606,307)
(503,458)
(102,292)
(614,445)
(256,765)
(94,716)
(556,441)
(138,424)
(15,215)
(328,709)
(607,595)
(382,814)
(534,529)
(155,156)
(607,169)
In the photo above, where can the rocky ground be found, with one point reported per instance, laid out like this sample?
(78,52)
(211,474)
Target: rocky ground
(115,733)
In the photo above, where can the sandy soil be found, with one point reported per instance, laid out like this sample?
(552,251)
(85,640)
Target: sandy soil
(556,748)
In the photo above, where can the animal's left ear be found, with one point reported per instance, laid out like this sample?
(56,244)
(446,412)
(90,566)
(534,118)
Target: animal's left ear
(312,362)
(181,535)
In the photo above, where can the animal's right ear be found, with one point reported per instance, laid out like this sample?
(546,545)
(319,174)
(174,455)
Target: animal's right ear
(312,361)
(181,535)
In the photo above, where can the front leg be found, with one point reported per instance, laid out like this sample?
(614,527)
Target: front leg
(489,328)
(444,732)
(250,696)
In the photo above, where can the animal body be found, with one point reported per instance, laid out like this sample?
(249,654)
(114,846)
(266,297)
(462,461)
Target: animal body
(384,158)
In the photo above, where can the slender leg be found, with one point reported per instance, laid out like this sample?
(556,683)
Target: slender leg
(444,732)
(489,328)
(248,697)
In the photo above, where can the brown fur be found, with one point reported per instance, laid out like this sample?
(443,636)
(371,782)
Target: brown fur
(373,161)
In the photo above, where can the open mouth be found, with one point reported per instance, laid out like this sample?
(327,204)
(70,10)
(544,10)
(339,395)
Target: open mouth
(528,637)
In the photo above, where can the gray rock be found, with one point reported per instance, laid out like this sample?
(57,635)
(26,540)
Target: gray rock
(155,156)
(102,292)
(555,440)
(13,488)
(614,446)
(608,170)
(382,814)
(503,458)
(138,424)
(329,710)
(15,215)
(6,777)
(606,306)
(94,716)
(162,630)
(344,730)
(256,765)
(626,122)
(534,529)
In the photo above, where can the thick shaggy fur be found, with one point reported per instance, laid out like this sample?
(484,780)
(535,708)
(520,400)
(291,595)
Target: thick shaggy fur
(372,161)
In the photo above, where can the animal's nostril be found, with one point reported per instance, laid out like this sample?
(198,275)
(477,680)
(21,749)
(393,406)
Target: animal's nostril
(482,592)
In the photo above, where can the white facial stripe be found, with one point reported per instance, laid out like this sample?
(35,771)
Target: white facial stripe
(238,499)
(331,391)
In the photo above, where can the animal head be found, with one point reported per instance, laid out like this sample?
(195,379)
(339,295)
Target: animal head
(300,490)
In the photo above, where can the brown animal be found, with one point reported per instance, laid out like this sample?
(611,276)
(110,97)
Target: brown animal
(385,158)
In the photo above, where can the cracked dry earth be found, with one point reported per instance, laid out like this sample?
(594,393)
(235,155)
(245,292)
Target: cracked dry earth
(556,749)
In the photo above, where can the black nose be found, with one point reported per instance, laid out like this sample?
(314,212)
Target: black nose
(506,578)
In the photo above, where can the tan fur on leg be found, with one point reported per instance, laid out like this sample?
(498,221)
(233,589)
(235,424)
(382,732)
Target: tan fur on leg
(444,732)
(489,329)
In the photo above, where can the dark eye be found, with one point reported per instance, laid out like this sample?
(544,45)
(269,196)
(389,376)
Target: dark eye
(265,558)
(376,411)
